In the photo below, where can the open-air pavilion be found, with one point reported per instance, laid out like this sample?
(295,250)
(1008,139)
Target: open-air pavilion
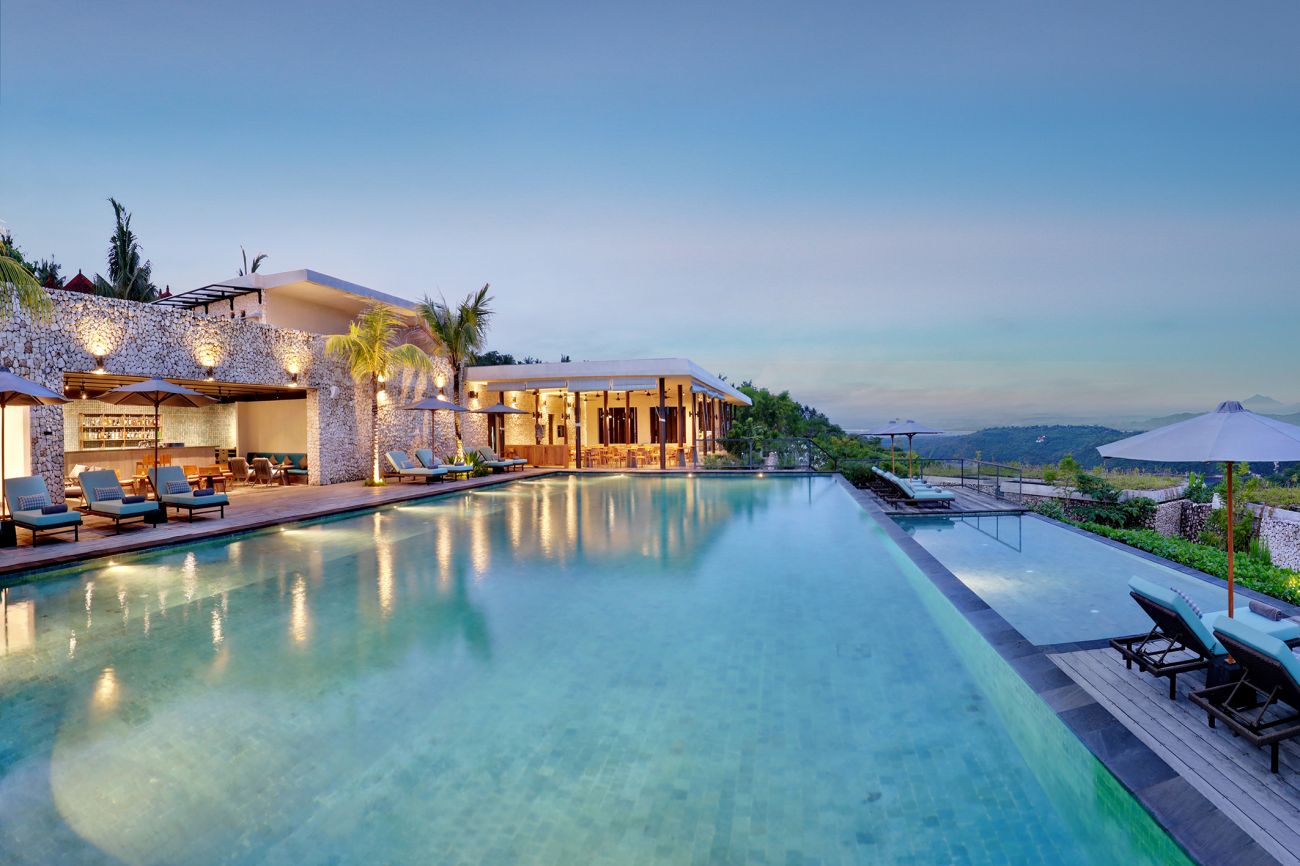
(658,412)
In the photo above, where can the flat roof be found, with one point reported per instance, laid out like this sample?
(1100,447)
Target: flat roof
(324,289)
(582,375)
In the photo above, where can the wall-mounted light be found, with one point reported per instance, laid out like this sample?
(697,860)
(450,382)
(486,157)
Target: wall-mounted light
(209,372)
(293,379)
(473,395)
(99,365)
(440,380)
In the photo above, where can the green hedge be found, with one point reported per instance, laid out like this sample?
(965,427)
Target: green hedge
(1270,579)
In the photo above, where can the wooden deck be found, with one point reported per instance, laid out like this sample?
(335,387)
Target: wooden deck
(250,508)
(967,502)
(1226,770)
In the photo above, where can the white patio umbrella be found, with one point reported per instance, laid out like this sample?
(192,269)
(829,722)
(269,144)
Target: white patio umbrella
(1228,435)
(155,393)
(17,391)
(910,428)
(891,431)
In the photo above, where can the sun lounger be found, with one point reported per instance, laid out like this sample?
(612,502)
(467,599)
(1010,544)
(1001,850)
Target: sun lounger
(428,461)
(1263,706)
(403,468)
(495,463)
(1182,638)
(911,491)
(104,496)
(29,499)
(173,490)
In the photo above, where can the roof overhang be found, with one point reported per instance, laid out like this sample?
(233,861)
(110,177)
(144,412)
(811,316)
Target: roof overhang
(629,375)
(305,283)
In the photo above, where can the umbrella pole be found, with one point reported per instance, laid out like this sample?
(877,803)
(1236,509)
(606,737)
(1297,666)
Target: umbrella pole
(1231,539)
(909,456)
(891,452)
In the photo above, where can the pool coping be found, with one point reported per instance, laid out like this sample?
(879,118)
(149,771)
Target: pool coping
(1205,834)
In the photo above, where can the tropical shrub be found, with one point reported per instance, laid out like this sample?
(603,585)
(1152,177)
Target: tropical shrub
(1197,490)
(1051,508)
(857,474)
(1250,572)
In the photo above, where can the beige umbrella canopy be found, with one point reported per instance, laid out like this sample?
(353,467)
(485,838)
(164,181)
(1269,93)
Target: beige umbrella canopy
(155,393)
(1228,435)
(908,428)
(433,404)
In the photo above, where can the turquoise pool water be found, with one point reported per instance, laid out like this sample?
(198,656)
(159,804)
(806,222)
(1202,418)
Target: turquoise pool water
(1052,584)
(604,670)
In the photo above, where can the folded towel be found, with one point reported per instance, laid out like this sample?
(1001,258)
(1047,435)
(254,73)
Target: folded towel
(203,491)
(54,509)
(132,500)
(1266,610)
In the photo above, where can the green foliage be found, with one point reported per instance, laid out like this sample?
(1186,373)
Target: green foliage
(1051,508)
(1243,527)
(857,474)
(457,332)
(1259,551)
(493,358)
(1197,490)
(1250,572)
(476,461)
(370,350)
(129,278)
(1104,506)
(16,276)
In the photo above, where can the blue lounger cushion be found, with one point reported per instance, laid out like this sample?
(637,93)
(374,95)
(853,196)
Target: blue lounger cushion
(117,508)
(1268,644)
(210,501)
(1203,625)
(35,519)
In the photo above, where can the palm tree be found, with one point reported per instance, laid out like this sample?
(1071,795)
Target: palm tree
(458,333)
(128,278)
(246,270)
(371,350)
(31,297)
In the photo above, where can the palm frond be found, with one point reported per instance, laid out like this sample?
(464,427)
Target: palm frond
(31,296)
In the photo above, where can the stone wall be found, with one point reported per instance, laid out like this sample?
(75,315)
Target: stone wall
(146,340)
(1168,518)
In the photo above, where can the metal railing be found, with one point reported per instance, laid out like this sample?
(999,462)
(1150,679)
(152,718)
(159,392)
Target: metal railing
(773,453)
(995,479)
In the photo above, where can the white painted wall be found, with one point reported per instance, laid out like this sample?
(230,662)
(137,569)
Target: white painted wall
(271,425)
(18,441)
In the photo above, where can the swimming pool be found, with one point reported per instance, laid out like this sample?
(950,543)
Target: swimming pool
(599,670)
(1053,584)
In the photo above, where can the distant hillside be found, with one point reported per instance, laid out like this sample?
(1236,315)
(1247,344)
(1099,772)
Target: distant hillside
(1035,445)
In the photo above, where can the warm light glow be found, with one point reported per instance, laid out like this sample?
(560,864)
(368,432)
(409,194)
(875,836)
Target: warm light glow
(440,381)
(299,619)
(106,690)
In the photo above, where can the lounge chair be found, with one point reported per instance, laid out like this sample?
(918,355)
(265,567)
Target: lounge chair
(489,459)
(173,489)
(403,468)
(1263,705)
(1182,639)
(428,461)
(912,491)
(104,496)
(28,498)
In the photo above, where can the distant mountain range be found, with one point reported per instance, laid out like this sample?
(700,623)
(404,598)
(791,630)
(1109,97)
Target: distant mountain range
(1288,412)
(1039,444)
(1042,445)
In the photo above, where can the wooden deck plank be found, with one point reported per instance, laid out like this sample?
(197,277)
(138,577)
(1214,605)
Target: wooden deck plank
(967,501)
(1226,770)
(250,508)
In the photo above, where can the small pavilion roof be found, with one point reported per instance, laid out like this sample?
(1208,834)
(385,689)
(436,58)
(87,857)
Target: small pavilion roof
(635,374)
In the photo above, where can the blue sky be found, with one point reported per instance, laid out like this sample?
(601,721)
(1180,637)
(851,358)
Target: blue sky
(958,213)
